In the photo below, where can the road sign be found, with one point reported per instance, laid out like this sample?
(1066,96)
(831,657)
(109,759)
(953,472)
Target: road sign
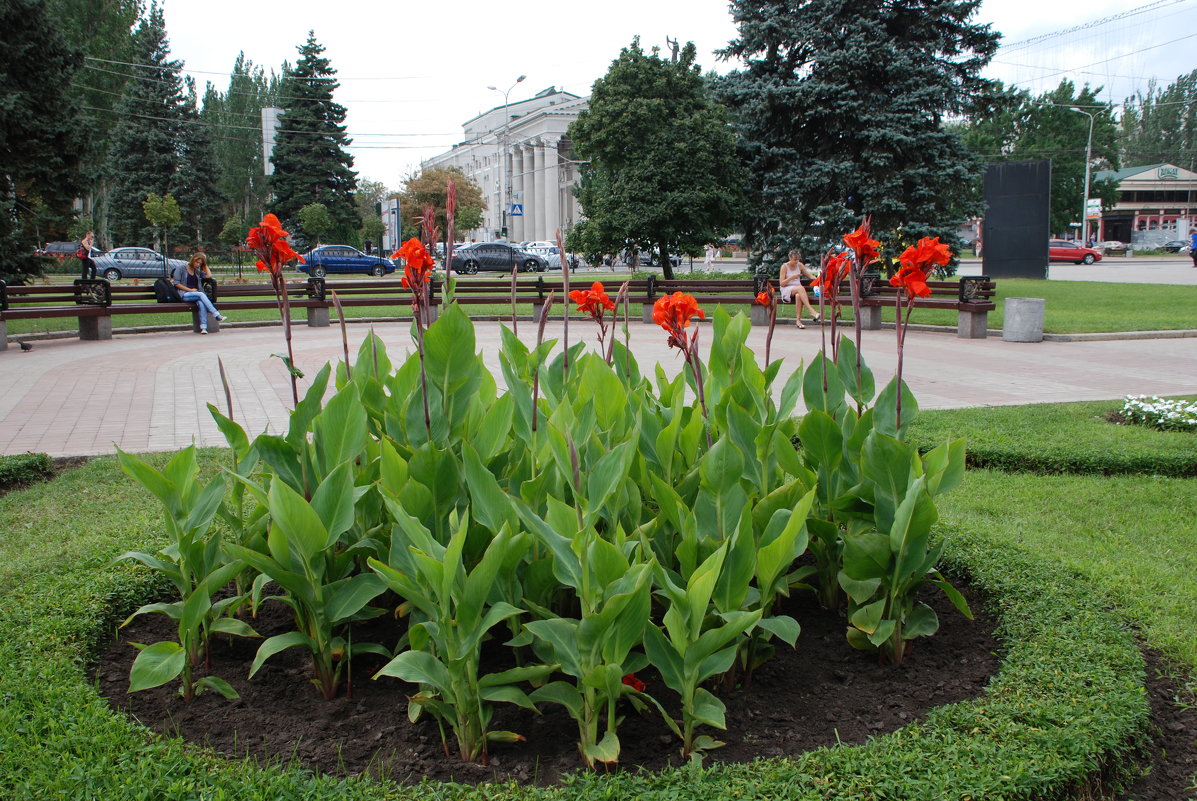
(517,209)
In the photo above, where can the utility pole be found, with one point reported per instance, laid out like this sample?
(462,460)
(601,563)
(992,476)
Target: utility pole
(506,140)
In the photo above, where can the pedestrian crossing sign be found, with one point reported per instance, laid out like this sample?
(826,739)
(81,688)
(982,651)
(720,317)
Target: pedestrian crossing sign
(517,209)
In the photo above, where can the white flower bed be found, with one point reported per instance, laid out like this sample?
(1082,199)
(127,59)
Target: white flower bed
(1166,415)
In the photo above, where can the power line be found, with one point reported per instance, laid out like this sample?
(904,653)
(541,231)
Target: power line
(1093,24)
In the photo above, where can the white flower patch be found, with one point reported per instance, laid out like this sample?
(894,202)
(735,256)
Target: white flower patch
(1166,415)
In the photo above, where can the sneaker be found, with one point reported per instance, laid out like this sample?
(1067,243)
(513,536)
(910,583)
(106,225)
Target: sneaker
(221,317)
(203,330)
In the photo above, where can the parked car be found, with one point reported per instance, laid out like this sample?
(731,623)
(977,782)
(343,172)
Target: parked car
(650,258)
(1064,250)
(121,263)
(326,259)
(1176,246)
(496,256)
(1110,247)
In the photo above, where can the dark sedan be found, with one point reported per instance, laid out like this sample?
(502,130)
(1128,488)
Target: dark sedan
(496,256)
(333,259)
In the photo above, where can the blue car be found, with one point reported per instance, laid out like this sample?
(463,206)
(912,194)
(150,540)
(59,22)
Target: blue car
(334,259)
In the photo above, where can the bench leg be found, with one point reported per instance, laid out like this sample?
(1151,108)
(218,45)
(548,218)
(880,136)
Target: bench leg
(318,317)
(648,313)
(434,312)
(870,318)
(213,323)
(758,314)
(972,325)
(3,335)
(95,328)
(537,310)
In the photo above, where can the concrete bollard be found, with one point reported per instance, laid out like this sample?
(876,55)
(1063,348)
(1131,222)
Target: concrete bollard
(1023,320)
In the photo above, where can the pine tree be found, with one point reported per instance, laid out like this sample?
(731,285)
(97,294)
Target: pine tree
(39,145)
(310,162)
(196,183)
(662,167)
(144,153)
(840,109)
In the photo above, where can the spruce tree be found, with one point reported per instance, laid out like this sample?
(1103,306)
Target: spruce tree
(39,126)
(840,110)
(144,153)
(234,118)
(310,162)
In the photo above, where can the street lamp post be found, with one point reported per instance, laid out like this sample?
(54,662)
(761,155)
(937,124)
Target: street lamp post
(506,147)
(1088,162)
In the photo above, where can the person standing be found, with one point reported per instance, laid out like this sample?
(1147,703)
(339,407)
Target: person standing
(709,261)
(188,282)
(792,273)
(84,255)
(1193,246)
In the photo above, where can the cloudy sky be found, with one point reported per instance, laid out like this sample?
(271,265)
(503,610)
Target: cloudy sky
(412,73)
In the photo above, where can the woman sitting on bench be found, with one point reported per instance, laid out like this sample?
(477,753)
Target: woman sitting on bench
(188,282)
(792,273)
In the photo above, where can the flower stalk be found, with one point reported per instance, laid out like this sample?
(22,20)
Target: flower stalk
(269,241)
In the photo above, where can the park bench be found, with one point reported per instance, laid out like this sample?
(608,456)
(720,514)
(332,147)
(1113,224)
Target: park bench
(971,296)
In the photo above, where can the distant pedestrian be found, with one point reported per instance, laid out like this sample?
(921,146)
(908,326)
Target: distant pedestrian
(84,255)
(1193,247)
(709,261)
(189,283)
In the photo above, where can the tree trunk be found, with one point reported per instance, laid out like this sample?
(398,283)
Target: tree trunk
(666,264)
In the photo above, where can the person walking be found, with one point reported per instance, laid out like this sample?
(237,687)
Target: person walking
(792,273)
(84,255)
(709,261)
(1193,247)
(188,282)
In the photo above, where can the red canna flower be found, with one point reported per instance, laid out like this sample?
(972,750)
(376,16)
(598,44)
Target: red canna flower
(928,254)
(593,301)
(417,263)
(673,312)
(635,683)
(836,269)
(763,299)
(864,247)
(913,279)
(269,241)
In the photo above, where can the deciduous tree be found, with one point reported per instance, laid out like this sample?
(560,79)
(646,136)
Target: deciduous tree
(431,187)
(1160,125)
(660,165)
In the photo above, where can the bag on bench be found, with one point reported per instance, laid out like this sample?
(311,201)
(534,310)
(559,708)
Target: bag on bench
(164,291)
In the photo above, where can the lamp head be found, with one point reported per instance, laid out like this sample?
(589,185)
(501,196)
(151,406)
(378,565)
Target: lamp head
(517,80)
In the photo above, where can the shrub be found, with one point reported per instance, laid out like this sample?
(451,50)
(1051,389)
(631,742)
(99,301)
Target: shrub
(24,468)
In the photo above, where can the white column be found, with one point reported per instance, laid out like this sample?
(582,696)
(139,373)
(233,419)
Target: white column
(531,192)
(552,192)
(539,225)
(517,191)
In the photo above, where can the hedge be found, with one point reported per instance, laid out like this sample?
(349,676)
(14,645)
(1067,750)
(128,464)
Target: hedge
(1066,714)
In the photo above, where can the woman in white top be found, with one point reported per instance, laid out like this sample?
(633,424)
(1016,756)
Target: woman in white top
(792,273)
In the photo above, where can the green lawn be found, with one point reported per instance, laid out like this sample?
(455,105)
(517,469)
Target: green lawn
(1132,536)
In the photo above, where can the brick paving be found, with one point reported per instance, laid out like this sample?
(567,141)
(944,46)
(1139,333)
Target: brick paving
(149,392)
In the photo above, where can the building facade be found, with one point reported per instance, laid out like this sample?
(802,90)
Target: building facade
(521,158)
(1156,203)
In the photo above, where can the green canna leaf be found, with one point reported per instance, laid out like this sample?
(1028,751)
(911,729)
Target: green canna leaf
(156,665)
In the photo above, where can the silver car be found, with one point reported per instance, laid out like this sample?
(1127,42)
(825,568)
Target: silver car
(134,263)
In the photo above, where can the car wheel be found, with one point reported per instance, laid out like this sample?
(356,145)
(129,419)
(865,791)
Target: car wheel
(378,271)
(318,272)
(112,274)
(531,265)
(470,268)
(1088,259)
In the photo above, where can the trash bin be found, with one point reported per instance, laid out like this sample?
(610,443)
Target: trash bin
(1022,320)
(1130,252)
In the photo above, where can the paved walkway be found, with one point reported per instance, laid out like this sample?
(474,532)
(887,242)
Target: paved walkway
(148,392)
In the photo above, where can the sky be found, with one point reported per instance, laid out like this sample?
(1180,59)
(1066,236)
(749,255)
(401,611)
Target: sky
(412,73)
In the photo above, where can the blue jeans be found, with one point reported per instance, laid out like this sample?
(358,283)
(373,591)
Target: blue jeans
(203,303)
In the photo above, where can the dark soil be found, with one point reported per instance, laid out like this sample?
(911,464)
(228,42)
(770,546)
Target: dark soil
(821,693)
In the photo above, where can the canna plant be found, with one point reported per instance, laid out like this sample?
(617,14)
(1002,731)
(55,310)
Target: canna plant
(694,648)
(305,556)
(452,616)
(612,587)
(195,563)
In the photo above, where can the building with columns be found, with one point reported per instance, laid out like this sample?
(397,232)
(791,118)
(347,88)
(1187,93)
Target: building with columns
(520,156)
(1156,203)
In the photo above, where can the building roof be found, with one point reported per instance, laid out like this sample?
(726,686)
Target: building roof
(1147,172)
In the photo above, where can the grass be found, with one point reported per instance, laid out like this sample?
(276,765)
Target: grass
(1059,438)
(1067,707)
